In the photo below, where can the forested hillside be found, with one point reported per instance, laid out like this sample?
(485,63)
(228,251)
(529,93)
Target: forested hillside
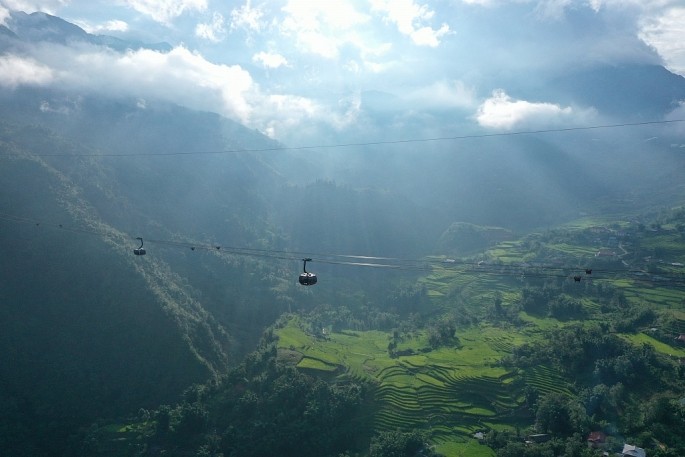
(90,330)
(500,354)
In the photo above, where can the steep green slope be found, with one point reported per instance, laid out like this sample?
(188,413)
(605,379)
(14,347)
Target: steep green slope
(92,331)
(88,329)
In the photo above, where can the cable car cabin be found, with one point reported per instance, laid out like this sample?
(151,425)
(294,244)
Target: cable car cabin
(139,250)
(307,279)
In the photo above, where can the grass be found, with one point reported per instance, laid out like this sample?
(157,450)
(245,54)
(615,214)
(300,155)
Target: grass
(663,348)
(470,448)
(581,252)
(316,364)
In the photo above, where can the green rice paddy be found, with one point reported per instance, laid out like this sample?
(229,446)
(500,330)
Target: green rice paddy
(450,392)
(453,392)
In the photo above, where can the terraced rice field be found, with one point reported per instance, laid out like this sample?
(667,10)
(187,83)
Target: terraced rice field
(573,251)
(469,283)
(451,392)
(660,296)
(546,380)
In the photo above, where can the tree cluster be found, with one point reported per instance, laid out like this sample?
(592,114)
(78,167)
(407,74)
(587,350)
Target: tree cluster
(620,388)
(263,408)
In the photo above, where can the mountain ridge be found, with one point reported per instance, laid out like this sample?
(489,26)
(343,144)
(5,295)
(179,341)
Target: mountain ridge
(43,27)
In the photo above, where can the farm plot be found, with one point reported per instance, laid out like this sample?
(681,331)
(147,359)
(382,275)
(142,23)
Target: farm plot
(452,392)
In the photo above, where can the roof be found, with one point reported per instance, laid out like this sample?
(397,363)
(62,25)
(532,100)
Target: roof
(633,451)
(597,437)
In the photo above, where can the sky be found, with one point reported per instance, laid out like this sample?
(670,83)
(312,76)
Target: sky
(303,71)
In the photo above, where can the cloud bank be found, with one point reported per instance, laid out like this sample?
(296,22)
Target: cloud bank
(500,111)
(288,64)
(165,11)
(180,76)
(19,71)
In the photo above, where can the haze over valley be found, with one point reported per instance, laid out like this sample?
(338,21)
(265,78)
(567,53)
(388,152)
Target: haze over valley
(470,179)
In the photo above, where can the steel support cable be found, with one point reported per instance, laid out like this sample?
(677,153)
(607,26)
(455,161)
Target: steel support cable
(426,265)
(360,144)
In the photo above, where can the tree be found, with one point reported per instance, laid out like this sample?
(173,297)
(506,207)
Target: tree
(163,417)
(553,415)
(398,444)
(441,333)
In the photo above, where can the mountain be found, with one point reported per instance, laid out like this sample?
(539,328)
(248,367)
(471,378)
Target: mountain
(86,331)
(5,32)
(42,27)
(633,92)
(89,330)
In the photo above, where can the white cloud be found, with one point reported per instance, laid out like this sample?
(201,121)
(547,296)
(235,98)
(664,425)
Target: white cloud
(553,9)
(502,112)
(65,106)
(288,114)
(204,85)
(17,71)
(46,6)
(444,95)
(247,17)
(213,31)
(310,15)
(179,76)
(109,26)
(665,31)
(367,64)
(4,14)
(426,36)
(411,19)
(114,26)
(270,59)
(165,11)
(322,28)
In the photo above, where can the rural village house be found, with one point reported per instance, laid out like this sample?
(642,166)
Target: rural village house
(633,451)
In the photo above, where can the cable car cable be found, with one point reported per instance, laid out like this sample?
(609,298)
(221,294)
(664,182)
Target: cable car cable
(391,262)
(425,265)
(359,144)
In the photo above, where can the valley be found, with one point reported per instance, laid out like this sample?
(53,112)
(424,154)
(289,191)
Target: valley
(454,392)
(489,194)
(504,351)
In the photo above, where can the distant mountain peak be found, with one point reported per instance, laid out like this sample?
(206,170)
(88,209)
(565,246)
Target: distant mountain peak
(633,91)
(42,27)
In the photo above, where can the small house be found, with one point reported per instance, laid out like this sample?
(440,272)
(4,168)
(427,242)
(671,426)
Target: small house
(596,440)
(632,451)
